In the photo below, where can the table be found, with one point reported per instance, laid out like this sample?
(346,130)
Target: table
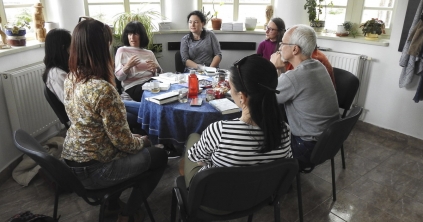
(173,122)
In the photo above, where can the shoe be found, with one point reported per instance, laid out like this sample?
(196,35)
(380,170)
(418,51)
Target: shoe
(139,216)
(171,151)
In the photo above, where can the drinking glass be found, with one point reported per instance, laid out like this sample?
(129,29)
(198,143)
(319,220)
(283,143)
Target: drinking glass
(155,86)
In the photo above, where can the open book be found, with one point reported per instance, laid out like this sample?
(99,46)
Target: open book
(164,98)
(225,106)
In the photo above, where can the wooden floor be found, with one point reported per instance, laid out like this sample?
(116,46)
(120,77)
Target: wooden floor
(383,181)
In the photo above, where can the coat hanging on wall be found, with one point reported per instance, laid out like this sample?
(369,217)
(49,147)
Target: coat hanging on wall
(411,59)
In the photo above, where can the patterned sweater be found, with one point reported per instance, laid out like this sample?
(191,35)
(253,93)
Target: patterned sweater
(99,130)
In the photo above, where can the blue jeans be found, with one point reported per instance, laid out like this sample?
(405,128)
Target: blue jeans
(132,108)
(302,149)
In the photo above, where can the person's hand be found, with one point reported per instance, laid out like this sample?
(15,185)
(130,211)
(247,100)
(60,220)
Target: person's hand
(145,139)
(276,59)
(152,66)
(201,163)
(133,61)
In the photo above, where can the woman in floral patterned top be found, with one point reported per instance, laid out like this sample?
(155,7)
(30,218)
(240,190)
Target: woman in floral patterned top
(99,146)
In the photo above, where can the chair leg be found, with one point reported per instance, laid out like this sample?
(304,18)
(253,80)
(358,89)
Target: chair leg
(147,207)
(250,217)
(332,163)
(343,156)
(56,203)
(277,210)
(300,199)
(173,207)
(102,207)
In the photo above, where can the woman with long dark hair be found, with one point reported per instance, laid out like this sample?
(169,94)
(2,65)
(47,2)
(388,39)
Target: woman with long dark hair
(99,147)
(135,64)
(258,136)
(200,47)
(275,30)
(56,60)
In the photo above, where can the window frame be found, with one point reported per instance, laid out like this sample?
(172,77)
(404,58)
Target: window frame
(236,5)
(126,5)
(4,18)
(354,12)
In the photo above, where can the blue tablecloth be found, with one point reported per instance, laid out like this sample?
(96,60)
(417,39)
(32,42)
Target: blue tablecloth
(173,122)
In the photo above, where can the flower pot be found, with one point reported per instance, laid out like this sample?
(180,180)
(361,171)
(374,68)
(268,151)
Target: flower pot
(216,23)
(250,23)
(340,31)
(16,40)
(318,26)
(19,32)
(371,36)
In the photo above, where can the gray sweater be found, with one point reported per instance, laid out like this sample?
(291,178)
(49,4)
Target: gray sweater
(202,51)
(310,99)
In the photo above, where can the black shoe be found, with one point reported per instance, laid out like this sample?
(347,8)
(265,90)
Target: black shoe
(171,151)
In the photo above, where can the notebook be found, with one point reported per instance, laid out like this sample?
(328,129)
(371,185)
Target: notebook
(225,106)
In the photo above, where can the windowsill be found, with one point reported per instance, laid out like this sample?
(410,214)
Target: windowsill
(29,46)
(186,31)
(381,41)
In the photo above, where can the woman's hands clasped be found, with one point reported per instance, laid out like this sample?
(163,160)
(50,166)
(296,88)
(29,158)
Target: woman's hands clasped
(135,60)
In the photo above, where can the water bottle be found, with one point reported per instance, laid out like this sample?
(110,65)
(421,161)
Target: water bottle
(192,85)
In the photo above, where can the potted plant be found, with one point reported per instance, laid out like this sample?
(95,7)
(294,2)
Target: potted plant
(344,29)
(372,28)
(314,10)
(145,17)
(216,22)
(208,15)
(16,31)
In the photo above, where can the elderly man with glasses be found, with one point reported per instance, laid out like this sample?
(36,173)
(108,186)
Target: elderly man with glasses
(306,91)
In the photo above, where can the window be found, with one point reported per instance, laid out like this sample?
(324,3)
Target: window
(14,9)
(105,10)
(237,10)
(357,11)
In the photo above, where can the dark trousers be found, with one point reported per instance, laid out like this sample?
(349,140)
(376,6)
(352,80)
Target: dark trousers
(302,150)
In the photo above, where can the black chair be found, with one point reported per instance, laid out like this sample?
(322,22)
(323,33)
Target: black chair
(179,65)
(240,190)
(57,106)
(346,88)
(330,141)
(67,181)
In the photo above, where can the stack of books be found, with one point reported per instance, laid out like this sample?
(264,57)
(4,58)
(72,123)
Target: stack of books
(164,98)
(238,26)
(227,26)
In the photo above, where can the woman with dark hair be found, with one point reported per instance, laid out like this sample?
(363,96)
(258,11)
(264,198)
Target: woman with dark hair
(135,65)
(200,47)
(99,147)
(56,60)
(258,136)
(275,30)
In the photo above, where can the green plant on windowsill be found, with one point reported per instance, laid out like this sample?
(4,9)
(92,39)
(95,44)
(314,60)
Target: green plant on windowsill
(21,23)
(208,15)
(314,10)
(373,26)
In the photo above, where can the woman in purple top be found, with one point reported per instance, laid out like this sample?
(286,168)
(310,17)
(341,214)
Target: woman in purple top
(274,33)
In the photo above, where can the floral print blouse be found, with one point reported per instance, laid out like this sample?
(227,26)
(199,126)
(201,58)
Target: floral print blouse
(99,129)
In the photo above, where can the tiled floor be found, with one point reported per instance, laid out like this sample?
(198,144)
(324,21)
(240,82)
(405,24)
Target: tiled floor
(383,181)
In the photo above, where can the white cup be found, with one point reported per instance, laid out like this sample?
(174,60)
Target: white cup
(50,25)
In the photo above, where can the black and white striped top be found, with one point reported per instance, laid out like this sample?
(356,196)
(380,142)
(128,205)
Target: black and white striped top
(233,143)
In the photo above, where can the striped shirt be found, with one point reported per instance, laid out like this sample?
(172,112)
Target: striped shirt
(233,143)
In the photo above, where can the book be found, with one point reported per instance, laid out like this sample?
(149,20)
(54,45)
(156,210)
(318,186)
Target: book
(225,106)
(164,98)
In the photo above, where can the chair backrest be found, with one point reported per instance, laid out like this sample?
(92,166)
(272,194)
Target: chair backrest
(56,169)
(346,88)
(57,106)
(331,140)
(240,188)
(179,65)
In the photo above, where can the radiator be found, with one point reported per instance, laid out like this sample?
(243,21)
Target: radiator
(354,63)
(24,91)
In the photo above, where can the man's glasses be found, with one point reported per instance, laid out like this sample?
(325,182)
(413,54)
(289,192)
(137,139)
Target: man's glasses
(281,43)
(238,63)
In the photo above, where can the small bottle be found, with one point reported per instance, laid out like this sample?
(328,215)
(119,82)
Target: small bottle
(192,85)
